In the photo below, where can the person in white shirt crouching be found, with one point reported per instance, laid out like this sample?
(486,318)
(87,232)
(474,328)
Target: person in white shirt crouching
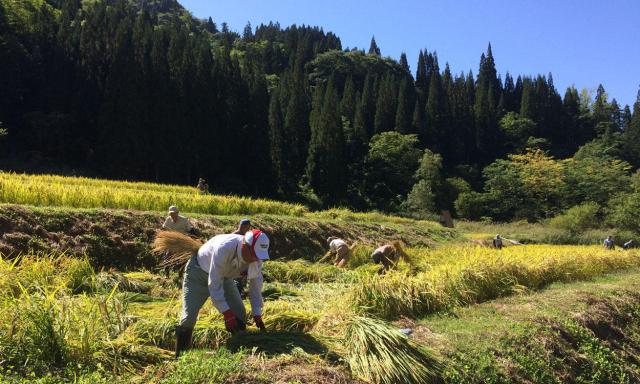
(210,274)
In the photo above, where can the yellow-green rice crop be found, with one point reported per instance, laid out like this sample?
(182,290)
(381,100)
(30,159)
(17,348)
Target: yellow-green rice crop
(49,190)
(46,325)
(467,275)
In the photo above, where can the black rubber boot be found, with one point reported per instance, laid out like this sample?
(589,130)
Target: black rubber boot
(183,339)
(242,326)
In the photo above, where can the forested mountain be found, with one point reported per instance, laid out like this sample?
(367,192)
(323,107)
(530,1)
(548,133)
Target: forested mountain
(142,90)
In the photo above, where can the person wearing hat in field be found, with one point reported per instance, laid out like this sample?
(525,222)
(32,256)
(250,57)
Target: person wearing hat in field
(202,186)
(177,222)
(210,273)
(340,250)
(243,227)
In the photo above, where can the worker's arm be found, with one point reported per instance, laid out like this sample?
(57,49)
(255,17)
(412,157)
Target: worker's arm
(326,255)
(255,295)
(164,225)
(216,290)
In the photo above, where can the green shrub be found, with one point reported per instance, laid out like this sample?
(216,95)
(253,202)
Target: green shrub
(473,205)
(624,210)
(578,219)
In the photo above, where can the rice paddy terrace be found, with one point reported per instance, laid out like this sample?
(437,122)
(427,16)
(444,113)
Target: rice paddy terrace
(84,303)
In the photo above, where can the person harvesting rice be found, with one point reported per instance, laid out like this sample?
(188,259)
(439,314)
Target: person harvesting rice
(388,255)
(210,272)
(340,249)
(176,222)
(243,227)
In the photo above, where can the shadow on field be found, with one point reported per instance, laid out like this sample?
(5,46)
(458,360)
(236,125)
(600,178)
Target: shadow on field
(276,342)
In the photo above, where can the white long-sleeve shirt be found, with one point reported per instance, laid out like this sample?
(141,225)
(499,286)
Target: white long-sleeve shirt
(335,244)
(221,257)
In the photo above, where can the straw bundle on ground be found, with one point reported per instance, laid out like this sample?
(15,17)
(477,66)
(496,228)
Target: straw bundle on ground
(381,354)
(291,321)
(178,247)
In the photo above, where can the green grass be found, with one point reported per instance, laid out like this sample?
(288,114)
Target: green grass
(203,367)
(539,233)
(544,337)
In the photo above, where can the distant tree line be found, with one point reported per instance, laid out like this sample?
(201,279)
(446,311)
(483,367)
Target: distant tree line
(142,90)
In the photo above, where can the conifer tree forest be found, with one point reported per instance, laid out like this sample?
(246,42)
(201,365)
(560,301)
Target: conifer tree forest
(142,90)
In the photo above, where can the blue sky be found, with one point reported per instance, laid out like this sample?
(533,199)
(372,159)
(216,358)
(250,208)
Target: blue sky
(583,43)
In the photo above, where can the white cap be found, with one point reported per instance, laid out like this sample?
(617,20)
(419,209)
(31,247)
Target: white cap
(260,243)
(173,209)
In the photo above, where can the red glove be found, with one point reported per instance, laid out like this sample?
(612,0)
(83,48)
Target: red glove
(230,321)
(259,322)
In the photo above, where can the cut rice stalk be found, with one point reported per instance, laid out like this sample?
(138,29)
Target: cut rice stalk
(381,354)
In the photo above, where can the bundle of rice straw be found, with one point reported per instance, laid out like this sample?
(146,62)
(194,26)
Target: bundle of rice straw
(178,247)
(380,354)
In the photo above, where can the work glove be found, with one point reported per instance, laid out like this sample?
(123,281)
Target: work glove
(259,323)
(230,321)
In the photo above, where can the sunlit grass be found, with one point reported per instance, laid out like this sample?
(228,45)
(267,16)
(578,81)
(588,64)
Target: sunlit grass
(454,276)
(50,190)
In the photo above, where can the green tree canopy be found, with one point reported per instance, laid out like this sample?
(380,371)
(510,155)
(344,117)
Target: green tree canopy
(390,165)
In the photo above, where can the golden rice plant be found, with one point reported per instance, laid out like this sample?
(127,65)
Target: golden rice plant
(54,317)
(70,181)
(467,275)
(74,192)
(300,271)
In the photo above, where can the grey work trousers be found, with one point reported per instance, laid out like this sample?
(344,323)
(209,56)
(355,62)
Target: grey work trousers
(195,292)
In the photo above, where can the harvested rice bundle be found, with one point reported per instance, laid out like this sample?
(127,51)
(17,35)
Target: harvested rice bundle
(276,343)
(291,321)
(160,333)
(381,354)
(212,335)
(180,248)
(275,292)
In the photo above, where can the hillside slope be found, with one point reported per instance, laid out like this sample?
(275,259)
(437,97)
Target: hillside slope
(122,238)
